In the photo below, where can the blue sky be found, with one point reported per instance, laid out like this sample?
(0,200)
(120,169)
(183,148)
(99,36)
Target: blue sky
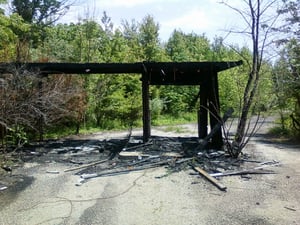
(198,16)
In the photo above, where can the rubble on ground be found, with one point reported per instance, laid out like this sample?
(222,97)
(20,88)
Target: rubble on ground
(97,158)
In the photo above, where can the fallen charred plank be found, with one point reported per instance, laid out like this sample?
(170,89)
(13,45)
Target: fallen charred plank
(289,208)
(137,146)
(210,178)
(242,172)
(138,155)
(150,162)
(3,187)
(154,157)
(86,166)
(124,171)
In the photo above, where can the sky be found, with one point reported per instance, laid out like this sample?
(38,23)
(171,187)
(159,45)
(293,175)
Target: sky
(207,17)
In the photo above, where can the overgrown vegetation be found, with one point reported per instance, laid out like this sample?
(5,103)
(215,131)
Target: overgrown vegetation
(286,70)
(113,101)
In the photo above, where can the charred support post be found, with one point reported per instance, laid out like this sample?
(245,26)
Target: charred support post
(214,110)
(146,107)
(202,113)
(210,104)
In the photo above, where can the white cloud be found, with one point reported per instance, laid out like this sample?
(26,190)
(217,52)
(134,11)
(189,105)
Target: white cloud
(193,20)
(205,16)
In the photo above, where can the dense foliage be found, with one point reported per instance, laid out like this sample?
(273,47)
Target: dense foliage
(286,74)
(110,101)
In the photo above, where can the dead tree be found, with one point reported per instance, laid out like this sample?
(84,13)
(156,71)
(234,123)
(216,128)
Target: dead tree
(256,29)
(25,103)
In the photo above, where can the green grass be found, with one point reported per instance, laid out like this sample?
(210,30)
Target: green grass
(171,120)
(285,131)
(279,131)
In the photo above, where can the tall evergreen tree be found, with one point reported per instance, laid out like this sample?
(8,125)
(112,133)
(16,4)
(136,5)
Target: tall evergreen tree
(149,38)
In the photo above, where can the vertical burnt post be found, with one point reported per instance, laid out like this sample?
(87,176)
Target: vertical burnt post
(202,113)
(146,105)
(214,109)
(210,105)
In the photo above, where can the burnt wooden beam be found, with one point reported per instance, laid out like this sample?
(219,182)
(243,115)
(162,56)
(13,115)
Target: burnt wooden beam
(214,110)
(146,107)
(213,180)
(203,111)
(76,68)
(204,141)
(184,73)
(190,67)
(160,73)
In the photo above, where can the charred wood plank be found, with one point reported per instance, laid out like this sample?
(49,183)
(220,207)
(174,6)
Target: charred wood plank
(137,154)
(86,166)
(125,171)
(213,180)
(243,172)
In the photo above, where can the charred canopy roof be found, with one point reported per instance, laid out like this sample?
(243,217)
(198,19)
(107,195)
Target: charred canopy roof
(157,73)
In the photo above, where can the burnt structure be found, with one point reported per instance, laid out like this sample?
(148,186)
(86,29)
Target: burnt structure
(203,74)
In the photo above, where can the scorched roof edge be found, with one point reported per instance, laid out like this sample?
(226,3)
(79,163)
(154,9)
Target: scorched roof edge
(117,68)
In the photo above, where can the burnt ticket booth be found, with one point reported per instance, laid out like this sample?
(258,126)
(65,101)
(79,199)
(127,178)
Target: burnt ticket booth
(203,74)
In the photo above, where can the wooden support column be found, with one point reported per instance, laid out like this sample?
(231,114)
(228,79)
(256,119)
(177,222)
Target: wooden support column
(202,113)
(214,109)
(146,108)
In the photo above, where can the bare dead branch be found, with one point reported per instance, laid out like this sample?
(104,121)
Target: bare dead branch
(239,11)
(259,35)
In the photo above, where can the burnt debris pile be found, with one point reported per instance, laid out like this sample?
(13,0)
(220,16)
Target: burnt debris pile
(94,158)
(98,158)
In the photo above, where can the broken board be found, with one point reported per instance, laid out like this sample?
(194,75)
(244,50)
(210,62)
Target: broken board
(211,179)
(140,155)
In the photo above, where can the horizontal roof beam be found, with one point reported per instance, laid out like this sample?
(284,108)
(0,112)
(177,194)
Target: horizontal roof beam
(118,68)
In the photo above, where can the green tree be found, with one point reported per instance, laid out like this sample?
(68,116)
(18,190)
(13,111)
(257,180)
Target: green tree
(149,39)
(286,78)
(11,28)
(291,17)
(130,31)
(2,2)
(90,41)
(287,68)
(119,49)
(41,12)
(198,46)
(176,47)
(188,47)
(184,47)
